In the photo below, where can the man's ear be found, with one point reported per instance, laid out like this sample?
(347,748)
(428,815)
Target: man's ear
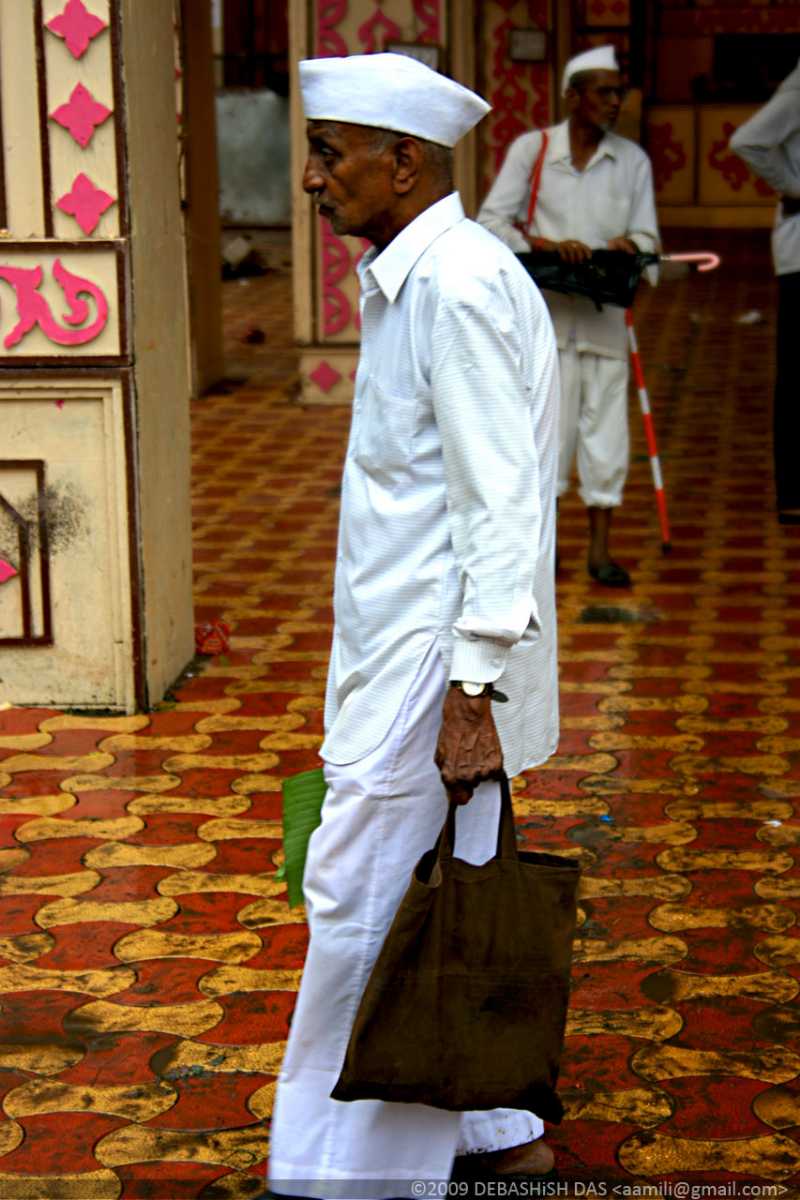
(408,162)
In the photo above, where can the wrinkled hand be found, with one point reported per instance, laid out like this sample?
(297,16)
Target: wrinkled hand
(625,244)
(468,751)
(572,251)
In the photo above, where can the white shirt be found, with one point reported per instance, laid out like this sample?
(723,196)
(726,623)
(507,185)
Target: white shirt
(611,197)
(770,145)
(447,525)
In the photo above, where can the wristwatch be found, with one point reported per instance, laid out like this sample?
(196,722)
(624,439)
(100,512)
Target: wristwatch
(471,689)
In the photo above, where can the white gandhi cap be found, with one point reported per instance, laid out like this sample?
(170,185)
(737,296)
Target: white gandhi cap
(599,58)
(389,91)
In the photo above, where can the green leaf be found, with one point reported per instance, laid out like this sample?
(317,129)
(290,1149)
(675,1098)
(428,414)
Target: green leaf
(303,795)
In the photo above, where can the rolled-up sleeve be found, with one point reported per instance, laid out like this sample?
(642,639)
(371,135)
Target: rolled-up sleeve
(482,406)
(760,142)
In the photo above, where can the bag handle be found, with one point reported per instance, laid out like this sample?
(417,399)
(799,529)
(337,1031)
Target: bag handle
(506,833)
(447,838)
(536,179)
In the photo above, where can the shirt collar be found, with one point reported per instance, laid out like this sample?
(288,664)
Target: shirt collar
(391,266)
(561,151)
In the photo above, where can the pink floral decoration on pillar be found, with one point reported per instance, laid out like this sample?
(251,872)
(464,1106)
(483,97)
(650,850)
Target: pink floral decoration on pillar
(376,31)
(336,266)
(324,376)
(81,115)
(667,155)
(6,571)
(77,26)
(329,42)
(86,203)
(427,11)
(33,309)
(518,95)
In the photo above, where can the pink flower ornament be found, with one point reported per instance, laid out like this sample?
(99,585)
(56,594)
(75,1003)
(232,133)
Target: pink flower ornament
(85,202)
(77,26)
(81,115)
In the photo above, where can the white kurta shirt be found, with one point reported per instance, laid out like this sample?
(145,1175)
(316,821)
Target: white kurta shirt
(448,497)
(611,197)
(770,145)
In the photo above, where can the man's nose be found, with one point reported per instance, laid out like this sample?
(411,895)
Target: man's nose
(312,181)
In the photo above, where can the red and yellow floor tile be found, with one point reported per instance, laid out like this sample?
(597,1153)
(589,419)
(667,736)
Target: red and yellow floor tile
(148,961)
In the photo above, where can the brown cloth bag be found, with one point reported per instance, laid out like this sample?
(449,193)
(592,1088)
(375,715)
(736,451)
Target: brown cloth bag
(466,1005)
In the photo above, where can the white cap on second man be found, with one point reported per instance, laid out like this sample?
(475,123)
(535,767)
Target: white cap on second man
(389,91)
(599,58)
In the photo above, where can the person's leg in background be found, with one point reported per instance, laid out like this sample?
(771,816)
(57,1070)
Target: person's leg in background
(603,455)
(569,369)
(786,419)
(568,415)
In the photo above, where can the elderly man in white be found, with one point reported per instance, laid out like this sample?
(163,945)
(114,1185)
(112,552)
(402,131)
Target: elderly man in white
(444,588)
(770,144)
(595,192)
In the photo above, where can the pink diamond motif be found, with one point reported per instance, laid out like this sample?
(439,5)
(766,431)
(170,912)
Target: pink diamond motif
(86,203)
(81,115)
(324,376)
(6,571)
(77,26)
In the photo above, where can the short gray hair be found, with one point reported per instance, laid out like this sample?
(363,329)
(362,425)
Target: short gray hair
(439,159)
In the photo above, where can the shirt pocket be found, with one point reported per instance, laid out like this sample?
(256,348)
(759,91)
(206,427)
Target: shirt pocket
(385,429)
(613,213)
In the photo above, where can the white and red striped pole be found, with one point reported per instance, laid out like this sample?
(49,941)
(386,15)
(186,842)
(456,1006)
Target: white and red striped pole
(649,433)
(705,260)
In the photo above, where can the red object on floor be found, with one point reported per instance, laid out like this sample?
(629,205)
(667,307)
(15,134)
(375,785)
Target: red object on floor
(212,637)
(148,960)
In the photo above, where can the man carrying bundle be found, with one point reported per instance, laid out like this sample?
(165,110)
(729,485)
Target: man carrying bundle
(595,191)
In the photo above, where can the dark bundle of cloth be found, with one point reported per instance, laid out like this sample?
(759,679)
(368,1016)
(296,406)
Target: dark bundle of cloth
(608,277)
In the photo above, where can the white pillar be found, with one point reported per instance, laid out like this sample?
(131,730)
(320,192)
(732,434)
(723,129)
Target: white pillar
(94,454)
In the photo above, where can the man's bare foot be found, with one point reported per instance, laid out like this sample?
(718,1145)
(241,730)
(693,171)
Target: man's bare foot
(532,1158)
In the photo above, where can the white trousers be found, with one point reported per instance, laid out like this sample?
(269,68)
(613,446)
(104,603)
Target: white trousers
(380,815)
(593,426)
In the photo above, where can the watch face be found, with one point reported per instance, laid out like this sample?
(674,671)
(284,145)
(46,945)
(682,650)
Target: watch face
(473,689)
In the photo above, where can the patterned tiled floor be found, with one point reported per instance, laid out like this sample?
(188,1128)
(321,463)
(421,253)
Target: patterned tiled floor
(148,960)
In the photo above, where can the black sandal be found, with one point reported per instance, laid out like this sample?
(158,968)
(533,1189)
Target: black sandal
(611,574)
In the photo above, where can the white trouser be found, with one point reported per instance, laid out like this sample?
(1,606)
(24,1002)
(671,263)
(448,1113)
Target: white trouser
(594,422)
(380,815)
